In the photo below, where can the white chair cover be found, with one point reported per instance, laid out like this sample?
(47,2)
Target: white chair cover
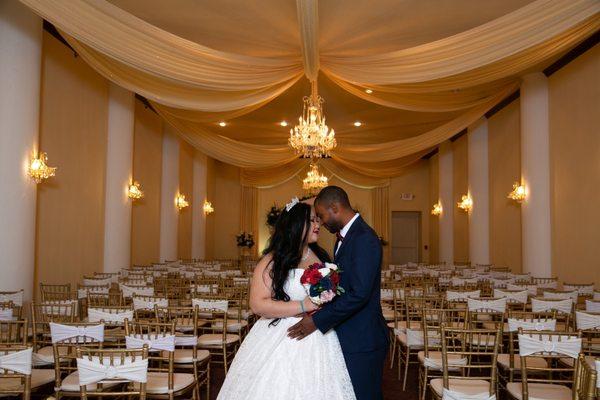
(531,324)
(592,306)
(513,297)
(450,395)
(455,296)
(570,347)
(19,361)
(97,315)
(564,306)
(496,305)
(97,282)
(581,289)
(129,291)
(154,342)
(209,304)
(92,371)
(83,292)
(16,298)
(59,332)
(145,304)
(531,289)
(573,295)
(587,321)
(6,314)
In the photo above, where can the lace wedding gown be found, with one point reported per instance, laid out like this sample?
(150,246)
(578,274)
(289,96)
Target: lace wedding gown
(270,365)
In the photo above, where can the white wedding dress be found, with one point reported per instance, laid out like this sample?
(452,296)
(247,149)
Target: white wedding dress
(270,365)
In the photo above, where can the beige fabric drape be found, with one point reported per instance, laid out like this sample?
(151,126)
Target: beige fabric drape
(249,213)
(381,216)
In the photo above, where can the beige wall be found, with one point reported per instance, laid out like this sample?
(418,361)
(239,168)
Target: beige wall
(461,186)
(227,193)
(574,96)
(147,170)
(434,197)
(504,147)
(186,187)
(73,131)
(416,181)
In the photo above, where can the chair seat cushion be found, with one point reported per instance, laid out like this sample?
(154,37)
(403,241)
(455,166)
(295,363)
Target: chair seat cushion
(217,340)
(571,361)
(158,382)
(186,356)
(71,384)
(545,391)
(535,362)
(402,325)
(39,377)
(467,387)
(45,355)
(232,326)
(403,339)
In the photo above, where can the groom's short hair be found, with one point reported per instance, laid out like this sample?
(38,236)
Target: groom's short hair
(333,194)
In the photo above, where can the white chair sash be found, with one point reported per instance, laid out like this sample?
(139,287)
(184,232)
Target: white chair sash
(450,395)
(16,298)
(186,340)
(592,306)
(513,297)
(452,362)
(97,282)
(521,277)
(499,282)
(546,283)
(96,315)
(573,295)
(531,289)
(154,342)
(19,361)
(208,304)
(144,304)
(129,291)
(59,332)
(531,324)
(414,338)
(83,292)
(464,281)
(387,294)
(587,321)
(564,306)
(570,347)
(205,288)
(6,314)
(597,363)
(91,371)
(496,305)
(455,296)
(596,295)
(581,289)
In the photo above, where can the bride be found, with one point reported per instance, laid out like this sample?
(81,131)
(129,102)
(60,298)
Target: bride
(269,364)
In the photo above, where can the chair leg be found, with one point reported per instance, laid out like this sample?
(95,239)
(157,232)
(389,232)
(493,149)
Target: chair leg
(393,351)
(424,383)
(406,361)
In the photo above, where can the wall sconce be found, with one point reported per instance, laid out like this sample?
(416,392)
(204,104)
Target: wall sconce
(208,208)
(39,170)
(518,193)
(437,209)
(466,203)
(180,202)
(134,192)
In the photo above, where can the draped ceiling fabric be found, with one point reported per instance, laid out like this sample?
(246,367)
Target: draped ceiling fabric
(433,68)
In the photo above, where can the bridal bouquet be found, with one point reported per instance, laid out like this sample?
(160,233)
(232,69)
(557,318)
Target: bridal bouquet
(321,282)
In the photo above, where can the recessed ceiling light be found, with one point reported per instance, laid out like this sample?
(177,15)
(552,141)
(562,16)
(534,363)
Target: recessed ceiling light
(222,123)
(283,123)
(368,91)
(357,124)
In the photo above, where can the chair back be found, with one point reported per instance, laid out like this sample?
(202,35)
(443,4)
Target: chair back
(15,364)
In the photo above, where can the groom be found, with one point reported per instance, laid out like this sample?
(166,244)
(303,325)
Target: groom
(355,315)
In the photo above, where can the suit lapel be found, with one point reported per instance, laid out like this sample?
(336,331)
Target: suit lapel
(348,236)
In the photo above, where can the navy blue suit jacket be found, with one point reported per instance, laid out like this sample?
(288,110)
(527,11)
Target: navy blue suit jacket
(356,315)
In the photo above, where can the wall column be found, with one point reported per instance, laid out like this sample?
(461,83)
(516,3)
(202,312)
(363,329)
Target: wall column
(168,191)
(446,219)
(20,74)
(479,217)
(198,217)
(119,164)
(535,169)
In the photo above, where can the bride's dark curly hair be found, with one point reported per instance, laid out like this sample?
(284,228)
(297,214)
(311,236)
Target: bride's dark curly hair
(286,244)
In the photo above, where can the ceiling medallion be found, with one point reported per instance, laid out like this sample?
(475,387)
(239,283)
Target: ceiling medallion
(312,138)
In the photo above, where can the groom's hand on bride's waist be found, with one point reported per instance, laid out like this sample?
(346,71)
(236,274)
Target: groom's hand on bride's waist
(302,328)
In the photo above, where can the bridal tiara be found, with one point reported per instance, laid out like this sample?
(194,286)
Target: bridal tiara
(291,204)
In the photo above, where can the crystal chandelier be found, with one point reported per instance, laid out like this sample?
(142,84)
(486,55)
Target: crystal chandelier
(312,138)
(39,170)
(314,181)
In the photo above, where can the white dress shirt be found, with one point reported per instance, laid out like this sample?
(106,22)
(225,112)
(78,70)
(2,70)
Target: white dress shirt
(345,230)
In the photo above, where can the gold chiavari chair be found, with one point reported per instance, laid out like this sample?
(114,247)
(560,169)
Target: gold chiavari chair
(42,314)
(187,355)
(218,341)
(586,385)
(143,306)
(588,325)
(473,368)
(554,380)
(15,378)
(163,381)
(56,292)
(113,318)
(109,360)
